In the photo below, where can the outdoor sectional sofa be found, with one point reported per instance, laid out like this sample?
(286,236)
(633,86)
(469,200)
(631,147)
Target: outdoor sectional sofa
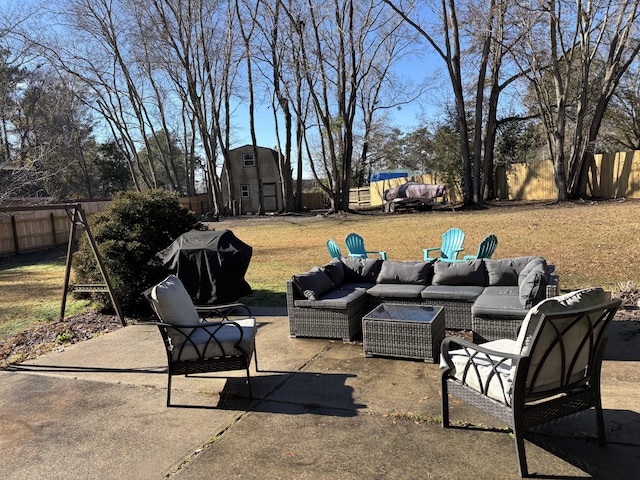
(489,296)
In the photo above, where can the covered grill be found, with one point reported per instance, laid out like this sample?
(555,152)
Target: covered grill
(210,264)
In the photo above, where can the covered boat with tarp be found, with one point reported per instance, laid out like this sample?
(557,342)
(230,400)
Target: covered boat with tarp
(211,264)
(412,195)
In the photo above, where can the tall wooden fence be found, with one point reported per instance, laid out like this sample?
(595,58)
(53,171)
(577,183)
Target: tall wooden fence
(613,175)
(24,231)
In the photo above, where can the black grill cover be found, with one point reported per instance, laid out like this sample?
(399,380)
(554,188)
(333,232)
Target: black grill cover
(210,264)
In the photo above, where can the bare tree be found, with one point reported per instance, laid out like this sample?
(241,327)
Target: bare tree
(575,54)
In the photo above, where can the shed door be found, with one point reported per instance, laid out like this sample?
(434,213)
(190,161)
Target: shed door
(270,197)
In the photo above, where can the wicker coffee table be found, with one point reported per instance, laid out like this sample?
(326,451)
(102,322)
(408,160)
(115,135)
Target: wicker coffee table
(405,331)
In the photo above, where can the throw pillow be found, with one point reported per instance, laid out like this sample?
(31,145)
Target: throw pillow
(335,271)
(313,283)
(532,288)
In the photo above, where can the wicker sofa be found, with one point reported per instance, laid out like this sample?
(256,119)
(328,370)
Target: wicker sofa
(489,296)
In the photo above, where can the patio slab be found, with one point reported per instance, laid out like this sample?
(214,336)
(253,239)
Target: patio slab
(321,410)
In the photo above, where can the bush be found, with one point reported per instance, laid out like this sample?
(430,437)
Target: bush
(129,234)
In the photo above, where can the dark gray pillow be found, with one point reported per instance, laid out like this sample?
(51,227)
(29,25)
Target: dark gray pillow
(313,283)
(532,288)
(416,273)
(335,271)
(361,269)
(536,264)
(472,272)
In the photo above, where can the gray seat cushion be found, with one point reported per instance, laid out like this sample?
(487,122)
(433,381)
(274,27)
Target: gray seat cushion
(487,305)
(338,299)
(395,290)
(226,337)
(463,293)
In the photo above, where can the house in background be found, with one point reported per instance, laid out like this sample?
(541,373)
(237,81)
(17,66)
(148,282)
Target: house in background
(244,178)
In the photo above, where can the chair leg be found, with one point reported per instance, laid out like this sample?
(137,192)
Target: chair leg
(169,390)
(444,402)
(518,434)
(249,383)
(255,356)
(602,436)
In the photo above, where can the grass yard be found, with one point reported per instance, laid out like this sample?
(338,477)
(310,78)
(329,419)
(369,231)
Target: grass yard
(591,244)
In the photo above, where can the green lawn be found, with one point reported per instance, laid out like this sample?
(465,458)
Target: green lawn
(590,244)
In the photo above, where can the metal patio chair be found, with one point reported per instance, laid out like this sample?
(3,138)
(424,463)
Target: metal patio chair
(552,370)
(193,346)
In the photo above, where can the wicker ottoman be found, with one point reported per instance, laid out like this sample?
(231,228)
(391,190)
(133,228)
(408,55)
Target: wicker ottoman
(405,331)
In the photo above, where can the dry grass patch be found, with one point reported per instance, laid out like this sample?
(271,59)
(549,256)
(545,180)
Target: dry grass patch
(590,244)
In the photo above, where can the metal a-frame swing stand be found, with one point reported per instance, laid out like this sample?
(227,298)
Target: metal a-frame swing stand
(76,214)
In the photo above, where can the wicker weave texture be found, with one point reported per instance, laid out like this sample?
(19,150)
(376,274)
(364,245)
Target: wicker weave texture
(489,405)
(221,364)
(324,322)
(458,316)
(487,329)
(395,338)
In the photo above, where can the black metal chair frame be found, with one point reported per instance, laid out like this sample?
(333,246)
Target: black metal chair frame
(228,361)
(528,407)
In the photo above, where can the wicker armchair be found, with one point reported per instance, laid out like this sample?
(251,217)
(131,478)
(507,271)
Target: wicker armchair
(552,370)
(193,346)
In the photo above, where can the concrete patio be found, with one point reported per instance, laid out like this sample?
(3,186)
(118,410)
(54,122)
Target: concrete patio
(321,411)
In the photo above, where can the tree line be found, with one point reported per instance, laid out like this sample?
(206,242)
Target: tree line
(161,83)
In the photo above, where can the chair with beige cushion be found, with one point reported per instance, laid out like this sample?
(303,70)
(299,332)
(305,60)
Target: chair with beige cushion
(193,346)
(550,371)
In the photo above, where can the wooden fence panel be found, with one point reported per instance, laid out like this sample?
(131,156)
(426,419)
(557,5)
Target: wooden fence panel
(314,200)
(199,204)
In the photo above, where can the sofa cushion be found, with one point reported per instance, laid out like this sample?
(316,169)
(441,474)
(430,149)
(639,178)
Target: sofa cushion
(418,273)
(463,293)
(471,272)
(338,299)
(395,290)
(547,376)
(361,269)
(500,306)
(335,271)
(229,339)
(482,376)
(512,290)
(585,298)
(313,283)
(505,271)
(173,303)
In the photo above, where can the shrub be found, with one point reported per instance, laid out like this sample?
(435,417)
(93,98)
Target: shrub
(129,234)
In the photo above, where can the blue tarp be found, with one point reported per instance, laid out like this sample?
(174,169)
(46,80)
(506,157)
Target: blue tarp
(387,175)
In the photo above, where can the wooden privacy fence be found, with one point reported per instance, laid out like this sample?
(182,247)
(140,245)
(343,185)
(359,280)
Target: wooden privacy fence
(612,175)
(24,231)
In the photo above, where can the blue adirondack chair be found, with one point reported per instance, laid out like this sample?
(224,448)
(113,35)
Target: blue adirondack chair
(452,241)
(334,249)
(355,246)
(485,249)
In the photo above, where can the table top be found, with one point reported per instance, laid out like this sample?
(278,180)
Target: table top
(403,313)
